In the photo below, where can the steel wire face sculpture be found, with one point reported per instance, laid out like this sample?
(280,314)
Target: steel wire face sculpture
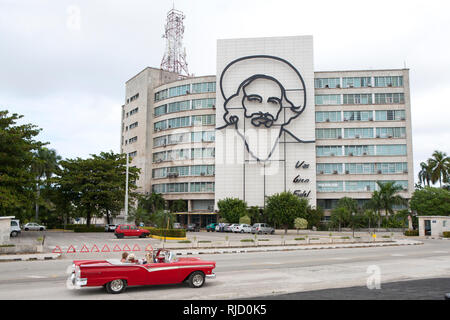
(279,110)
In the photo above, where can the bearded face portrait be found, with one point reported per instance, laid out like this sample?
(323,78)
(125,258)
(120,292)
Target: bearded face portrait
(259,108)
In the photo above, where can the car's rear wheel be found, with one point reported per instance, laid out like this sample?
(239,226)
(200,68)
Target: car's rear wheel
(119,235)
(196,279)
(26,229)
(116,286)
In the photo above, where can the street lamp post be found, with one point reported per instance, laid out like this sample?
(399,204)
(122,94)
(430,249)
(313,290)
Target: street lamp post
(126,191)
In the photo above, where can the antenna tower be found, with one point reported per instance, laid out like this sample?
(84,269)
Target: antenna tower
(174,59)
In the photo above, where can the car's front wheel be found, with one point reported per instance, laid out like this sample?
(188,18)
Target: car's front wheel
(116,286)
(14,234)
(196,279)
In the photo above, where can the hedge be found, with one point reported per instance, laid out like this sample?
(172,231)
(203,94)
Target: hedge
(82,228)
(412,233)
(174,233)
(446,234)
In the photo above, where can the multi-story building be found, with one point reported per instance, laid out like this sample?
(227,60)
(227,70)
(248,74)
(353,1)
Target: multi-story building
(348,129)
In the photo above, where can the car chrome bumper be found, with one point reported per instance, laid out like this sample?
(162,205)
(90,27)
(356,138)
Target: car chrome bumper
(77,281)
(211,276)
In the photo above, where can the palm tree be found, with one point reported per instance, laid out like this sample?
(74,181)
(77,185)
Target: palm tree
(388,196)
(440,166)
(425,173)
(376,204)
(45,164)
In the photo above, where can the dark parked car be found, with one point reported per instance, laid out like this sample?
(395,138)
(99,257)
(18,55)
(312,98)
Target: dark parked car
(192,227)
(211,227)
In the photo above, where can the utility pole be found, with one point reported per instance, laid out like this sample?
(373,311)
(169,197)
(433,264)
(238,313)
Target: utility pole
(126,191)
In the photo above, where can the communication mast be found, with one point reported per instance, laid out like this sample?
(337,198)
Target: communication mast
(174,59)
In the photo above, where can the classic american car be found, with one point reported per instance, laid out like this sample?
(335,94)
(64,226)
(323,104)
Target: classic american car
(163,268)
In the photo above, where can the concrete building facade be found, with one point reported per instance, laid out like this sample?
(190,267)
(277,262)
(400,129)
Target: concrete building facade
(268,123)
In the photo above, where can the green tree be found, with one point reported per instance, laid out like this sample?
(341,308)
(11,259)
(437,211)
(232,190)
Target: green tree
(245,220)
(300,223)
(256,214)
(389,197)
(17,182)
(376,204)
(178,206)
(96,186)
(440,166)
(314,217)
(341,216)
(282,208)
(232,209)
(44,165)
(425,173)
(431,201)
(152,203)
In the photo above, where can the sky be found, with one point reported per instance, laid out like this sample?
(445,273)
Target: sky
(64,64)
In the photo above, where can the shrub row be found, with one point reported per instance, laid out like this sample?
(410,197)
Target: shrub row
(173,233)
(82,228)
(446,234)
(412,233)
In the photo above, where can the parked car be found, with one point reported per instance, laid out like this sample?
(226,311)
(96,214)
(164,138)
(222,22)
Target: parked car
(230,227)
(211,227)
(110,227)
(127,230)
(177,225)
(242,228)
(261,228)
(161,267)
(15,228)
(192,227)
(32,226)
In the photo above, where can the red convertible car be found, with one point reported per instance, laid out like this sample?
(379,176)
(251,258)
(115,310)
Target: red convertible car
(164,268)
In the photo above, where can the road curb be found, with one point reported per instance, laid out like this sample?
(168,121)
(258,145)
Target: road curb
(296,248)
(29,257)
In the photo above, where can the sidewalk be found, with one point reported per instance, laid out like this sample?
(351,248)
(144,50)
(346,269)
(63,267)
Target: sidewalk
(194,251)
(29,257)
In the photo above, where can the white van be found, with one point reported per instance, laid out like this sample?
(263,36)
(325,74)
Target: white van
(15,228)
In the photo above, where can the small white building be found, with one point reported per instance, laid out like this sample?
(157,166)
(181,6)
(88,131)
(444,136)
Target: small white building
(433,225)
(5,229)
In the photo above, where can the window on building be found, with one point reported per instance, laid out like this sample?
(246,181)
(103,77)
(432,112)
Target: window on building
(204,87)
(202,187)
(328,116)
(328,99)
(359,150)
(389,81)
(352,133)
(391,150)
(159,111)
(391,132)
(320,83)
(365,98)
(356,82)
(330,186)
(179,106)
(358,115)
(389,98)
(360,186)
(390,115)
(326,151)
(329,133)
(329,168)
(203,103)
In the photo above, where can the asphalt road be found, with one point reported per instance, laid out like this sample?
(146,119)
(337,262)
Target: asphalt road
(247,275)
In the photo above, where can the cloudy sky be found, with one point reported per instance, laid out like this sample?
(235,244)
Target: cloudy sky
(63,64)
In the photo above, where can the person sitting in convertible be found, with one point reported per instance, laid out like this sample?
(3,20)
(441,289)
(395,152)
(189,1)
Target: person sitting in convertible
(132,259)
(124,257)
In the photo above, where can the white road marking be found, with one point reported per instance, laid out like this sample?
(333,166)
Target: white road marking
(37,277)
(397,255)
(440,251)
